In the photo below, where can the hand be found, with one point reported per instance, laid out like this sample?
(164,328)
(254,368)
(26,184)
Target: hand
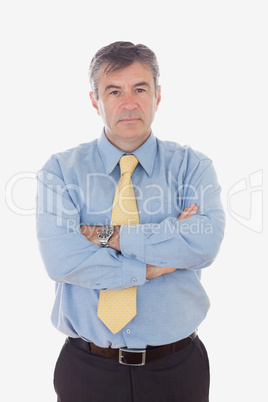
(188,212)
(153,271)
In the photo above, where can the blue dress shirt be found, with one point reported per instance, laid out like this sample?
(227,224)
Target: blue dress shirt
(77,187)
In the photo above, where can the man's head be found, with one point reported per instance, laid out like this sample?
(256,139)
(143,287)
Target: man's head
(126,94)
(119,55)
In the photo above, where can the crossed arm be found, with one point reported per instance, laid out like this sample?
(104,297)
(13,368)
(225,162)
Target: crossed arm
(152,271)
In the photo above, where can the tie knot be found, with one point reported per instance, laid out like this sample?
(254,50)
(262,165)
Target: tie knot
(128,164)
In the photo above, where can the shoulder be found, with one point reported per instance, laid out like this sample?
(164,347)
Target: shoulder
(71,157)
(183,152)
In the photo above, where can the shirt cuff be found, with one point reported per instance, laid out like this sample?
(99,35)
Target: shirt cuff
(134,273)
(132,242)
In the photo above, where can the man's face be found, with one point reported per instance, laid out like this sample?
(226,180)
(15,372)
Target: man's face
(127,104)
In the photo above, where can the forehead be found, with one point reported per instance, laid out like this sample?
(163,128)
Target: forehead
(136,72)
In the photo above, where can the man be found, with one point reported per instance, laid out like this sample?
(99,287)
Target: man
(126,246)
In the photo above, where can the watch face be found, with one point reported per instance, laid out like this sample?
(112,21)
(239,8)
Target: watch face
(105,232)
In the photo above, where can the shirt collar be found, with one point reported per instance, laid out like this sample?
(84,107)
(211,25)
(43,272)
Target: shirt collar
(111,155)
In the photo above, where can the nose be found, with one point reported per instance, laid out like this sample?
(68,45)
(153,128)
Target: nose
(129,102)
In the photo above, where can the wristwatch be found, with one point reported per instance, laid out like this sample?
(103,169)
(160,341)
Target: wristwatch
(104,234)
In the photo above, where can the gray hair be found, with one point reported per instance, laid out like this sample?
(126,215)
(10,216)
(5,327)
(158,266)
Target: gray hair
(119,55)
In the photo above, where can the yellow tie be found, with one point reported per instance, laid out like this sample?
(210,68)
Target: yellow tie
(117,307)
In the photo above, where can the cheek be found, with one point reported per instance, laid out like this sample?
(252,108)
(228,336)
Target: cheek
(110,110)
(104,113)
(150,111)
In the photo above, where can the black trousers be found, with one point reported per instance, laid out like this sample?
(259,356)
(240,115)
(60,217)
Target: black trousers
(180,377)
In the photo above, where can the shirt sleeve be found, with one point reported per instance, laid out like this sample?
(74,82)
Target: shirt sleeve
(67,255)
(191,243)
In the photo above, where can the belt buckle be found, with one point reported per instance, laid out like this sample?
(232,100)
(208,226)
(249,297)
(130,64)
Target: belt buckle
(124,351)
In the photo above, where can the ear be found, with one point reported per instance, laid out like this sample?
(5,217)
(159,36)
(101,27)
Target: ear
(158,96)
(94,102)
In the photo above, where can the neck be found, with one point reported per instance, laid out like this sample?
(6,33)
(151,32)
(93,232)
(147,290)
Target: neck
(127,145)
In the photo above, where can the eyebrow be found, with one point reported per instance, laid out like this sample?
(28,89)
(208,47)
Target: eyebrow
(142,84)
(139,84)
(112,87)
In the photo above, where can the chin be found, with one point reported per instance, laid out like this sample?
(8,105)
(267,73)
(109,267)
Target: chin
(133,135)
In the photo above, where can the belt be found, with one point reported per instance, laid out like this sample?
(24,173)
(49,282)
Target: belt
(134,357)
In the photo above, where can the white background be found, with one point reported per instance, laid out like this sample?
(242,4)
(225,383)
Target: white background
(213,60)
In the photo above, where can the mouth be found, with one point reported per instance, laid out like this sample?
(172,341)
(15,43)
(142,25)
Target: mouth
(129,120)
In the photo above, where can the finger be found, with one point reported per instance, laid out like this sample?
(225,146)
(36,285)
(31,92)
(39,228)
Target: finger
(192,210)
(188,212)
(184,214)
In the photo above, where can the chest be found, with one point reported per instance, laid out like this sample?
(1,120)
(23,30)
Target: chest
(157,196)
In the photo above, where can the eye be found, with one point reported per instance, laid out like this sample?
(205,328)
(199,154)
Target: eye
(114,93)
(140,90)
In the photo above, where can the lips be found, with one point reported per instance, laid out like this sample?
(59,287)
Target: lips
(130,120)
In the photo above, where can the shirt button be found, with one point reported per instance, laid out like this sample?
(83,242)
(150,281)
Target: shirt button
(128,331)
(133,280)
